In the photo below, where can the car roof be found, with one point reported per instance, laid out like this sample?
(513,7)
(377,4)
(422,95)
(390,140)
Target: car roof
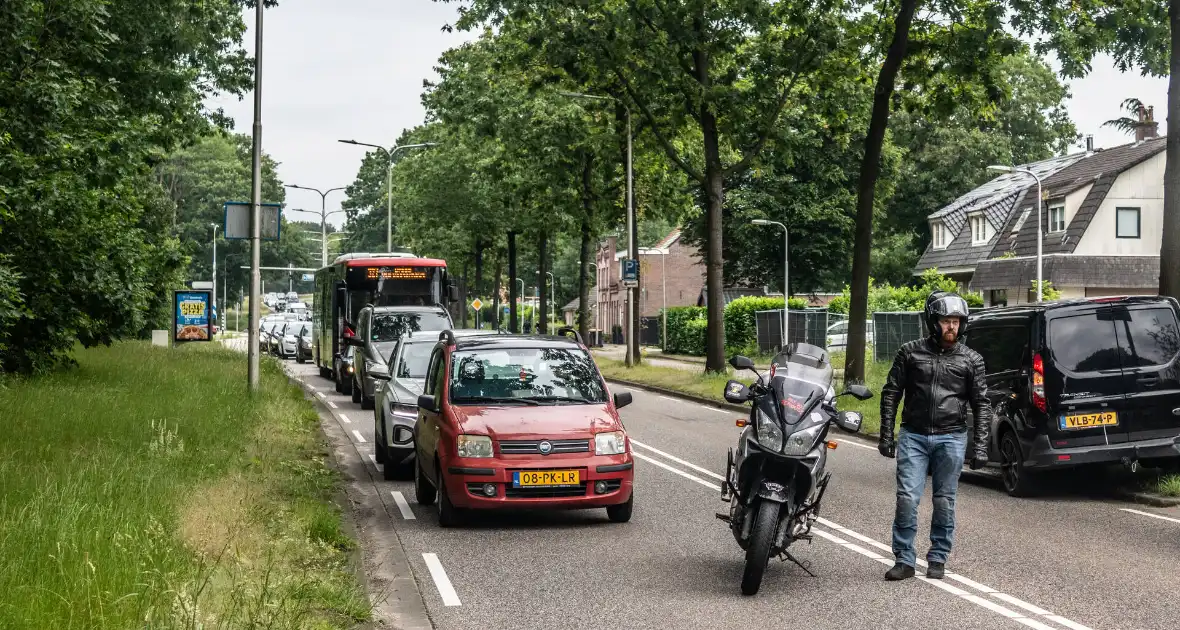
(1030,309)
(508,340)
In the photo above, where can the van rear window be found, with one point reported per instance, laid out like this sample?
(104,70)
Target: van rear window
(1152,337)
(1084,343)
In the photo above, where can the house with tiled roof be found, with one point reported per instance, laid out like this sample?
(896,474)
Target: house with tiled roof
(670,256)
(1102,223)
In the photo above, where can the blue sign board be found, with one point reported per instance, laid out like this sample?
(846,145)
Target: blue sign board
(192,316)
(308,277)
(630,272)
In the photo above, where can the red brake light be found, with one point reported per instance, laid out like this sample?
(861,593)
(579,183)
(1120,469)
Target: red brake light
(348,331)
(1107,300)
(1038,383)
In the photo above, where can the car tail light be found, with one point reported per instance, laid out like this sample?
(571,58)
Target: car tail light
(348,331)
(1038,383)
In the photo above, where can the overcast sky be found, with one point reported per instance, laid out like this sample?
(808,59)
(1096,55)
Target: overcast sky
(354,69)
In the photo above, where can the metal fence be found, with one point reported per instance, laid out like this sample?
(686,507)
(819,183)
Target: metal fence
(893,330)
(649,331)
(808,326)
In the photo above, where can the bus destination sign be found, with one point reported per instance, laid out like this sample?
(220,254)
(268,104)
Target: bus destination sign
(395,273)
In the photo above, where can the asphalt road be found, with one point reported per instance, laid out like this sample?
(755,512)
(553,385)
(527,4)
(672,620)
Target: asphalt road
(1063,561)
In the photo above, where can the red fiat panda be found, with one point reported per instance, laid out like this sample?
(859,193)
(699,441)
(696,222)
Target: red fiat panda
(510,421)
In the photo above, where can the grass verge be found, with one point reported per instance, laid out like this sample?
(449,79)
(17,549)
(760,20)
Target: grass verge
(146,488)
(1169,486)
(712,386)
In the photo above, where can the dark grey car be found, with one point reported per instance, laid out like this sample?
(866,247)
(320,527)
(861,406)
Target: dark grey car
(378,330)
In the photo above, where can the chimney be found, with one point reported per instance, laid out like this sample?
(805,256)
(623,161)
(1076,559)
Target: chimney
(1148,127)
(1089,144)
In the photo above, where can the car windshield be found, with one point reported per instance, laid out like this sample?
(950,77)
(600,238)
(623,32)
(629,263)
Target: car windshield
(391,326)
(414,359)
(557,375)
(385,349)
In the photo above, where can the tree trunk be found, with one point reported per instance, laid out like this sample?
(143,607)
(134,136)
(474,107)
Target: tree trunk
(496,293)
(870,170)
(1170,247)
(542,312)
(463,295)
(513,314)
(586,251)
(714,278)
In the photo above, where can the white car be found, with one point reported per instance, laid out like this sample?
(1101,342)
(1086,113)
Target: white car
(838,335)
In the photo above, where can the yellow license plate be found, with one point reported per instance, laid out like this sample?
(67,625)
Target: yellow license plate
(546,478)
(1090,420)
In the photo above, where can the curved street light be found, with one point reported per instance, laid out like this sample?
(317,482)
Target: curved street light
(389,155)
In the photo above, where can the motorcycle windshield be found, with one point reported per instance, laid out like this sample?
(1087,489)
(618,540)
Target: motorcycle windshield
(798,388)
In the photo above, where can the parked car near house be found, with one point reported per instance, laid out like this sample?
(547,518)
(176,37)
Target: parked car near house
(838,335)
(1076,382)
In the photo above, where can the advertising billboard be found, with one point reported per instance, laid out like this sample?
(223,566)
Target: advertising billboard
(192,316)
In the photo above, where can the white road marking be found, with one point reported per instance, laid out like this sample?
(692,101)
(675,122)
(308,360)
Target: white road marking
(677,460)
(402,506)
(856,444)
(441,581)
(715,409)
(675,400)
(707,484)
(344,418)
(373,459)
(359,438)
(321,396)
(976,599)
(1162,518)
(332,405)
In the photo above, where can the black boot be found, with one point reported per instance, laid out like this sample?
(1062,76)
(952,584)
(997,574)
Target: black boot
(899,572)
(935,570)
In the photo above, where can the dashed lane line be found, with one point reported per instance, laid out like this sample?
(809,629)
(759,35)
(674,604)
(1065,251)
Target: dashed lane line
(359,438)
(1160,517)
(344,418)
(443,583)
(332,404)
(1032,622)
(855,443)
(402,505)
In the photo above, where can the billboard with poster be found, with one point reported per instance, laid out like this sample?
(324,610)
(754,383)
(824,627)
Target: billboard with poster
(192,316)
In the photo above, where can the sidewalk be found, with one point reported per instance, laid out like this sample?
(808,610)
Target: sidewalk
(655,356)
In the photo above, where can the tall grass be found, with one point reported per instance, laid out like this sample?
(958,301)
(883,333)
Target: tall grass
(146,488)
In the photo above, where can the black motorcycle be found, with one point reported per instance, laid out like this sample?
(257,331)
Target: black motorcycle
(775,479)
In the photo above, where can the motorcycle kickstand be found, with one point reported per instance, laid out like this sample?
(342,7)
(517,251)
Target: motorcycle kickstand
(786,555)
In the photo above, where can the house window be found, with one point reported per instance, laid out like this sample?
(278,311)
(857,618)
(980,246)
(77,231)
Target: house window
(1057,218)
(939,233)
(980,230)
(1126,223)
(998,297)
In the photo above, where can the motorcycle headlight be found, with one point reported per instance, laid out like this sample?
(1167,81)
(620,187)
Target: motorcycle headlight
(475,446)
(770,434)
(613,443)
(800,443)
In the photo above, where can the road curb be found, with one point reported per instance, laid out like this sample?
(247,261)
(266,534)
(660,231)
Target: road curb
(675,394)
(1146,498)
(389,578)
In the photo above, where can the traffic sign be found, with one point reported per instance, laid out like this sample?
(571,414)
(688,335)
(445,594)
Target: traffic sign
(630,272)
(476,304)
(307,277)
(236,222)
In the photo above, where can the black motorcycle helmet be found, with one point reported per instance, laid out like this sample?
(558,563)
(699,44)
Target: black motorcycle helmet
(942,304)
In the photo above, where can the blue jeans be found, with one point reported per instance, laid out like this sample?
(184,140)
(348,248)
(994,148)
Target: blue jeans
(940,456)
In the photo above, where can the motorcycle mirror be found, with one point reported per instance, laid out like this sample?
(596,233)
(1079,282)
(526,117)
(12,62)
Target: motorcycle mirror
(741,363)
(859,392)
(736,392)
(849,421)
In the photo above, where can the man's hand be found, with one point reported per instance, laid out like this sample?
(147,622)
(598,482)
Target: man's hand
(887,447)
(978,461)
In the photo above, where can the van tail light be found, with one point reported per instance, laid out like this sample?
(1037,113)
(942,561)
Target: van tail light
(1038,383)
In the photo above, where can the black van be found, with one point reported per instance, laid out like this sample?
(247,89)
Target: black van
(1075,382)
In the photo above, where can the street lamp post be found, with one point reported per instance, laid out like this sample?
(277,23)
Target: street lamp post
(389,155)
(522,299)
(323,216)
(632,239)
(786,274)
(1040,229)
(253,374)
(597,311)
(215,226)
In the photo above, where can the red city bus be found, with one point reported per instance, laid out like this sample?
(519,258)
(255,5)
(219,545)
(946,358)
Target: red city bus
(353,281)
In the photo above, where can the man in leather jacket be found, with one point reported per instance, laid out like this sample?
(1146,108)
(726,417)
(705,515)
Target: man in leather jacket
(939,379)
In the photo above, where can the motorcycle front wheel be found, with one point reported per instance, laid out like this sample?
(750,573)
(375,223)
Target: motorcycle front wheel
(761,539)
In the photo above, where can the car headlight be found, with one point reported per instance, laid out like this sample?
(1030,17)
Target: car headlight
(409,412)
(770,434)
(800,443)
(475,446)
(612,443)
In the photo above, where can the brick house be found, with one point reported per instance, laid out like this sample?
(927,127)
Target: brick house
(681,262)
(1102,224)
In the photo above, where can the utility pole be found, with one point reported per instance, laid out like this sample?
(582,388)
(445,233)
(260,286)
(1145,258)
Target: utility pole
(215,226)
(252,370)
(389,155)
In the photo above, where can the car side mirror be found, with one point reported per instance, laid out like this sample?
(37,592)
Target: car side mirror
(622,399)
(380,376)
(736,392)
(452,293)
(355,342)
(859,392)
(849,421)
(741,363)
(425,401)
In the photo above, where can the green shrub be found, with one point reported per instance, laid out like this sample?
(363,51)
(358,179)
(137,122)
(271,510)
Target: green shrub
(686,330)
(741,334)
(884,298)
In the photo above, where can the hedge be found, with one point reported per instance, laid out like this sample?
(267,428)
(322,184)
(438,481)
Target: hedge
(686,330)
(741,333)
(884,298)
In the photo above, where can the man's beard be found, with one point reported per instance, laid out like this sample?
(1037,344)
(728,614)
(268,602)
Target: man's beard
(950,336)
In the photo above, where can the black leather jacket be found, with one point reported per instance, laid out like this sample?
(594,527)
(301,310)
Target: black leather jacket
(938,385)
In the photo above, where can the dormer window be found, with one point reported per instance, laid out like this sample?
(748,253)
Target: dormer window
(981,230)
(940,236)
